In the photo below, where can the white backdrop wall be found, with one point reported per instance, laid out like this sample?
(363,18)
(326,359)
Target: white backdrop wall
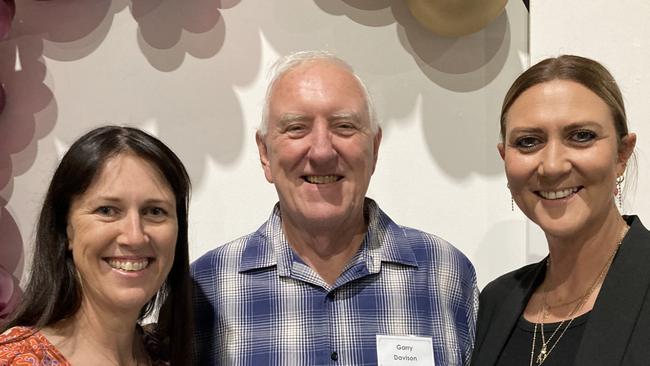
(194,74)
(617,34)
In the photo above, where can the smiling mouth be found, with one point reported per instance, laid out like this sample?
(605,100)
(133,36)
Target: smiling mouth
(321,179)
(129,265)
(556,195)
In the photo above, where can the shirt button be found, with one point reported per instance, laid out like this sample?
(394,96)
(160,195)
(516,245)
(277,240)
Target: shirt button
(334,356)
(331,296)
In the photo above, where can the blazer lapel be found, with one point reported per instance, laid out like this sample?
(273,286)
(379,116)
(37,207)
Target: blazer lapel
(508,314)
(619,302)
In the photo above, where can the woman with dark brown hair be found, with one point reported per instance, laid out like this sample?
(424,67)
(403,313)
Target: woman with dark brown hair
(566,145)
(111,247)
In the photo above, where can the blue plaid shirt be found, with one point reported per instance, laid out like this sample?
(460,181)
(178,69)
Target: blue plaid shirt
(257,303)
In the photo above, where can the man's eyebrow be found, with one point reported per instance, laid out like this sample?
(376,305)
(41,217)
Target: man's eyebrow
(291,117)
(345,115)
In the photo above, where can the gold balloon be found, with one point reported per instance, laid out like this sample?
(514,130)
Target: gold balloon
(455,18)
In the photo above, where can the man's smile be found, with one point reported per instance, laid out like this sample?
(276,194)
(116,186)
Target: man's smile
(321,179)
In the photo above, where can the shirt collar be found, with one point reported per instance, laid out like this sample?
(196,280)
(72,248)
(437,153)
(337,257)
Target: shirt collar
(385,241)
(263,246)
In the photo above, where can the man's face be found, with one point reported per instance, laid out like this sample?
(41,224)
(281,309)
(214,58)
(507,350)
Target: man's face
(319,150)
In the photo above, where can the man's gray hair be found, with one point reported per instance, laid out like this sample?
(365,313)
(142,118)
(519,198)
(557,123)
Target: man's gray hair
(293,60)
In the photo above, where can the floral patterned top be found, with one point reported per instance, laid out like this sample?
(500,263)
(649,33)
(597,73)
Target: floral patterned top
(26,346)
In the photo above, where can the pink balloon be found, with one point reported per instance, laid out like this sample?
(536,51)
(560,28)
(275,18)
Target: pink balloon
(2,98)
(9,293)
(7,12)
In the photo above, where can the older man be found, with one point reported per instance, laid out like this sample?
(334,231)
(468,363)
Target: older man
(329,279)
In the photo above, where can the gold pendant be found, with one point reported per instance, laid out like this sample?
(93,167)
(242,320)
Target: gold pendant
(542,355)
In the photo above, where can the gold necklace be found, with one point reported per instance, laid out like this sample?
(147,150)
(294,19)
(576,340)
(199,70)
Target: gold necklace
(563,304)
(544,351)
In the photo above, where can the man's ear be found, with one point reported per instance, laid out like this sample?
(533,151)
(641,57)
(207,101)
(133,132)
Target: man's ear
(375,148)
(264,156)
(502,150)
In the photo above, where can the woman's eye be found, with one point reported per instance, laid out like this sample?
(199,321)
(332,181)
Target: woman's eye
(583,136)
(105,211)
(157,211)
(157,214)
(527,142)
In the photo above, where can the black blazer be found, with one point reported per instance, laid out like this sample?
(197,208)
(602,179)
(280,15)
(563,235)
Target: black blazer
(618,329)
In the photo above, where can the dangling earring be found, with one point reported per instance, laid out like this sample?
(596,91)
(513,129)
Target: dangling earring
(619,191)
(512,200)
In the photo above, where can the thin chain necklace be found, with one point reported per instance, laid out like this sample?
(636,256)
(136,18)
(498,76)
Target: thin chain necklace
(545,351)
(146,361)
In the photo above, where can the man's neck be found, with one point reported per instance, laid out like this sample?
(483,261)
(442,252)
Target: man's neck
(327,249)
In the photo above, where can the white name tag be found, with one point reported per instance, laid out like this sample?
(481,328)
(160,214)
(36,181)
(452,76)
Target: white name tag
(404,350)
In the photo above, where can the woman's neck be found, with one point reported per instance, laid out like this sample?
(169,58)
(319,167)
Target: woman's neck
(575,260)
(576,268)
(95,337)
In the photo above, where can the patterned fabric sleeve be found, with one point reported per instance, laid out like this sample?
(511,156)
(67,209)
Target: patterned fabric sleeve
(24,346)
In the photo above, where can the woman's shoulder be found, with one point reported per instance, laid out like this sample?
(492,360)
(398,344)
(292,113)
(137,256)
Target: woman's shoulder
(523,276)
(27,346)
